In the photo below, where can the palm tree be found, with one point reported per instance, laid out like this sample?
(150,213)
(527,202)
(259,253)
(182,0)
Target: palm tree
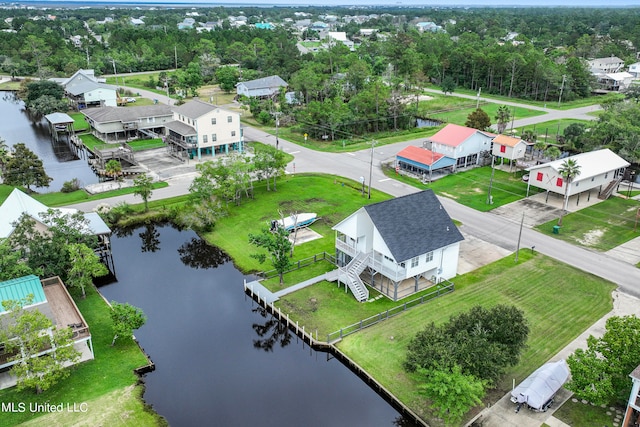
(503,115)
(569,169)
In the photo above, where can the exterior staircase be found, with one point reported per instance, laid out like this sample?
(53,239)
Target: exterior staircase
(606,193)
(350,275)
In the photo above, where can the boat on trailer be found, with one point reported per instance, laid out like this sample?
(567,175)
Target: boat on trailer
(291,222)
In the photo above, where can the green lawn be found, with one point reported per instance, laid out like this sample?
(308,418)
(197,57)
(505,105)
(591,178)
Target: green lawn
(323,194)
(79,122)
(110,371)
(578,414)
(564,105)
(91,142)
(549,131)
(146,144)
(533,285)
(459,116)
(602,226)
(471,187)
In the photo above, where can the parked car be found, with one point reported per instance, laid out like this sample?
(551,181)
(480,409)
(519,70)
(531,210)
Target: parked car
(131,100)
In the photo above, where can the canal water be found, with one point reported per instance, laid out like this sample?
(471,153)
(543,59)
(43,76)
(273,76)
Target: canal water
(59,161)
(219,360)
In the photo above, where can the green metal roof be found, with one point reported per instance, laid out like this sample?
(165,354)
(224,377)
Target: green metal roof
(17,289)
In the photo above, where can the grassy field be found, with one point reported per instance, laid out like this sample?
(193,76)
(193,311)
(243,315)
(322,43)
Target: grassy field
(602,226)
(549,131)
(578,414)
(532,285)
(323,194)
(459,115)
(471,187)
(110,372)
(146,144)
(564,105)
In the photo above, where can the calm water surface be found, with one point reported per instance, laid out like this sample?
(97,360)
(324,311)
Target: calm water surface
(219,362)
(59,162)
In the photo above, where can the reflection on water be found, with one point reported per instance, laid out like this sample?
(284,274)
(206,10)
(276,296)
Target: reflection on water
(220,359)
(59,161)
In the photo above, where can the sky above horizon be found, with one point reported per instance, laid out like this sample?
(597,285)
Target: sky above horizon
(399,3)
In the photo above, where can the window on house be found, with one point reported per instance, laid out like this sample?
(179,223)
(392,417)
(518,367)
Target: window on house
(204,138)
(233,133)
(214,137)
(414,262)
(229,119)
(213,121)
(503,148)
(429,256)
(539,176)
(559,182)
(605,175)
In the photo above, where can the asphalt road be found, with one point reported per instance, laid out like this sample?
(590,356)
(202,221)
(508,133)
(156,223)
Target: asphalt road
(489,227)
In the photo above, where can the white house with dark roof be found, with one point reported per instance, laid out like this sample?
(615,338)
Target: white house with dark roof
(199,128)
(600,170)
(399,247)
(265,87)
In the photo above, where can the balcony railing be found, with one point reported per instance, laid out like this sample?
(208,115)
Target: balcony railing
(395,272)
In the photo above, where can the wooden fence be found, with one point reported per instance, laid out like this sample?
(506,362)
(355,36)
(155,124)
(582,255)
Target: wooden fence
(323,256)
(370,321)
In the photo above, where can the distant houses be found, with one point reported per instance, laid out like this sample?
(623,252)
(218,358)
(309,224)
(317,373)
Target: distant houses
(266,87)
(398,247)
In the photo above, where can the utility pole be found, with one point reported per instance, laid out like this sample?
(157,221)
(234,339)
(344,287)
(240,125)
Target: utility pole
(277,115)
(519,236)
(561,88)
(87,50)
(489,197)
(113,61)
(175,56)
(478,98)
(373,141)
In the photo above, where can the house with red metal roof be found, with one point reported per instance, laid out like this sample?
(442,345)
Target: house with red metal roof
(466,145)
(422,162)
(453,147)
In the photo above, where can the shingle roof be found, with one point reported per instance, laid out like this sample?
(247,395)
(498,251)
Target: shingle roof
(180,128)
(127,114)
(265,82)
(420,155)
(87,86)
(454,135)
(592,163)
(194,109)
(413,225)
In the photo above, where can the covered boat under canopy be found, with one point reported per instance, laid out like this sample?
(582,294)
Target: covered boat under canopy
(538,389)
